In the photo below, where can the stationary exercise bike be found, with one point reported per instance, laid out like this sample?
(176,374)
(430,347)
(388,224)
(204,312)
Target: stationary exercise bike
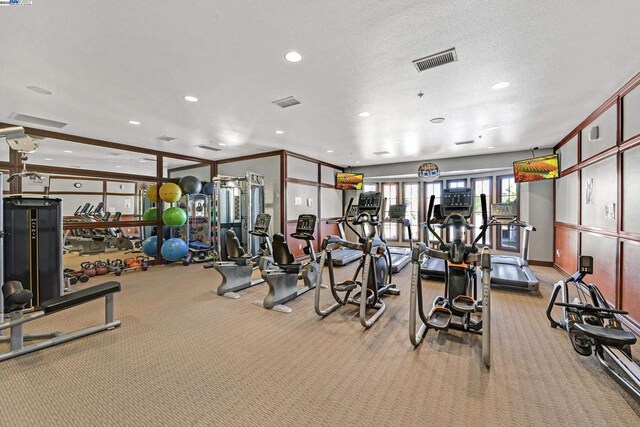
(459,308)
(593,327)
(375,264)
(237,270)
(282,278)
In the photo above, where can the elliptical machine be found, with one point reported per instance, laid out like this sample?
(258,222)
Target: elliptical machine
(283,280)
(460,307)
(237,270)
(375,264)
(593,327)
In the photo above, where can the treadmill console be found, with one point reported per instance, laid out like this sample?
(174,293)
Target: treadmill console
(504,210)
(397,212)
(262,222)
(457,201)
(586,264)
(306,224)
(370,202)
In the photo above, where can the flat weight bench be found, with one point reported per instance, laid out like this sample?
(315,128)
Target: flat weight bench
(18,318)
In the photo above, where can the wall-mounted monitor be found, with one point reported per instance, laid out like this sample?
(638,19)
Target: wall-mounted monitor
(536,169)
(349,181)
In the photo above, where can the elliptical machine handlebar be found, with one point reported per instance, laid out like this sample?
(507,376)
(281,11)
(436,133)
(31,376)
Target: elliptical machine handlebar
(483,228)
(432,200)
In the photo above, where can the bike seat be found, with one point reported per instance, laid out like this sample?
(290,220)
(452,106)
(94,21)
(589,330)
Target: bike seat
(606,336)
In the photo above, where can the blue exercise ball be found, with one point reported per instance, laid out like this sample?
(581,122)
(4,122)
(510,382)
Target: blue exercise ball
(150,246)
(208,189)
(174,249)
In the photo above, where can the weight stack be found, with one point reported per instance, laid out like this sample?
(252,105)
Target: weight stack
(33,245)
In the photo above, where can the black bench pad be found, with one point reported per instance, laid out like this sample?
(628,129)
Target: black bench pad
(75,298)
(606,336)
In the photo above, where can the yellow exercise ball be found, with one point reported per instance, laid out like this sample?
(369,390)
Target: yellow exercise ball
(170,192)
(152,193)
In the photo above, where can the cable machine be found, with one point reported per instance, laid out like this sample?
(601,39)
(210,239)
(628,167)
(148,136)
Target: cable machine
(237,202)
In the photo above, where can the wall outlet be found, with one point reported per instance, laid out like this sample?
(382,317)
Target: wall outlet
(309,202)
(557,253)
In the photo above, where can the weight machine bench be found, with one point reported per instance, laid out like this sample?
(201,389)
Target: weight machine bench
(18,317)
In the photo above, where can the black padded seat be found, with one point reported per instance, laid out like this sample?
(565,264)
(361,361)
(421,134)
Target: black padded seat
(607,336)
(75,298)
(281,253)
(234,248)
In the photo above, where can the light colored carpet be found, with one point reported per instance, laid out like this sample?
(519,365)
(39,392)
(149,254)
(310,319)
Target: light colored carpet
(184,356)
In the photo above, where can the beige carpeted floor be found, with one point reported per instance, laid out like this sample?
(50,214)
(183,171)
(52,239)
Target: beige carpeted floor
(184,356)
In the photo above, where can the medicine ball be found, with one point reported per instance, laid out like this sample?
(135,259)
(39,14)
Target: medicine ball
(152,193)
(170,192)
(174,217)
(150,214)
(190,185)
(174,249)
(150,246)
(208,189)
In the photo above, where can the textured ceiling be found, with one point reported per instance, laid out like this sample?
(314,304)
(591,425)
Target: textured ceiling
(109,62)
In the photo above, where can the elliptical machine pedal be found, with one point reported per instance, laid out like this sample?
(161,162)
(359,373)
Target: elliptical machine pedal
(464,304)
(439,318)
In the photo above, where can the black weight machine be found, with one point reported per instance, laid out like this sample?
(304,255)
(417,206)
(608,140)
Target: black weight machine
(459,308)
(593,327)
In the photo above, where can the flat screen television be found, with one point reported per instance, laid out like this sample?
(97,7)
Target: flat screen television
(349,181)
(536,169)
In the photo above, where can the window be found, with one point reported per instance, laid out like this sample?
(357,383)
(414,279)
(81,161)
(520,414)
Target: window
(508,237)
(481,186)
(431,188)
(390,192)
(457,183)
(411,199)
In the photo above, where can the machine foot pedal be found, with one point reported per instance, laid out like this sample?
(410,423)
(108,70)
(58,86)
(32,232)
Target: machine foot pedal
(346,286)
(464,304)
(439,318)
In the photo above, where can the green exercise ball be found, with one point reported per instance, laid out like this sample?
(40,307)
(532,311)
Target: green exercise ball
(174,217)
(150,214)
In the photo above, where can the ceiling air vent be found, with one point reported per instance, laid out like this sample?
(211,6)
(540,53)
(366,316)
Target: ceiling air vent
(380,153)
(286,102)
(37,120)
(471,141)
(166,138)
(436,60)
(208,147)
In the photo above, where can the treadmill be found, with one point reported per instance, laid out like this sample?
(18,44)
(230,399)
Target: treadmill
(344,256)
(512,271)
(400,257)
(433,268)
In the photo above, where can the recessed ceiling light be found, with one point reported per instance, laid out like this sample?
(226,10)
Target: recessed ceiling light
(67,151)
(329,151)
(364,114)
(437,120)
(221,144)
(492,128)
(190,98)
(48,159)
(293,56)
(134,122)
(358,162)
(279,132)
(500,85)
(491,148)
(39,90)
